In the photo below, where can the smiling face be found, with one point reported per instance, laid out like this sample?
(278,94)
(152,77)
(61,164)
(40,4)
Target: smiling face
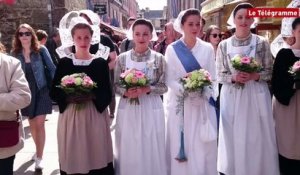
(191,26)
(82,39)
(242,21)
(142,35)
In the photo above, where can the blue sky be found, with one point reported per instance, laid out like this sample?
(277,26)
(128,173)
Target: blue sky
(152,4)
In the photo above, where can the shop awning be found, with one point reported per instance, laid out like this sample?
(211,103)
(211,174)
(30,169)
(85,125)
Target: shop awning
(116,30)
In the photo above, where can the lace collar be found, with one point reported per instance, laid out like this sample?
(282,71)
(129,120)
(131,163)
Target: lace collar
(78,62)
(147,52)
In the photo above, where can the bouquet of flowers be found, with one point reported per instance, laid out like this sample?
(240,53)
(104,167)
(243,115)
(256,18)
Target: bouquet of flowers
(196,80)
(245,64)
(78,85)
(133,78)
(295,71)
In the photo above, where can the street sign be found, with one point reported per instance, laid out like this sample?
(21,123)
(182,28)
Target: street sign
(100,9)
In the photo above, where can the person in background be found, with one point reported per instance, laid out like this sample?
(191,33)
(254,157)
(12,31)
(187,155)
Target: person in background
(140,128)
(42,36)
(105,40)
(285,39)
(52,44)
(286,101)
(169,38)
(160,36)
(14,95)
(36,63)
(202,33)
(83,134)
(192,131)
(226,35)
(247,141)
(126,44)
(213,36)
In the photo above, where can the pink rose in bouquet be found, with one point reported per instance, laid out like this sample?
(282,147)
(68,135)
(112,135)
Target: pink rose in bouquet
(196,80)
(245,60)
(133,78)
(77,85)
(245,64)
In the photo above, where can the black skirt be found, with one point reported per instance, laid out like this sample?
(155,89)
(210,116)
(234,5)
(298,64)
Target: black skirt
(41,103)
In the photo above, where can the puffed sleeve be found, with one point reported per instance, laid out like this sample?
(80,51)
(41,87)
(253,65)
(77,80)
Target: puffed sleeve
(103,91)
(120,68)
(224,74)
(172,76)
(282,81)
(56,93)
(264,54)
(159,87)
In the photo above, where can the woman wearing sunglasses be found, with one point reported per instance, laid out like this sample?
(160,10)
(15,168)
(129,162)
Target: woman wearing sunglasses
(35,59)
(213,36)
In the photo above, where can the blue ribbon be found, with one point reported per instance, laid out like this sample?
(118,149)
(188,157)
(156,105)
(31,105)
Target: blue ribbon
(190,63)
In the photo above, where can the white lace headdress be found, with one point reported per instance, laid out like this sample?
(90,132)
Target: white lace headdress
(177,22)
(286,31)
(230,20)
(66,24)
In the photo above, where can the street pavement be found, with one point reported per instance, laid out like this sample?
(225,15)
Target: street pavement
(23,164)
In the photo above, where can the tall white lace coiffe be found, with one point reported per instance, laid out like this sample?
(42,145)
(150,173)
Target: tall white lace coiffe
(67,23)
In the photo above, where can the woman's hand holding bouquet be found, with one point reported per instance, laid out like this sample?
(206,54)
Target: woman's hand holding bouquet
(78,88)
(247,68)
(136,84)
(196,81)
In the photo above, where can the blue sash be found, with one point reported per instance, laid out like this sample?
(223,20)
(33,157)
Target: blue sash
(188,61)
(186,57)
(190,64)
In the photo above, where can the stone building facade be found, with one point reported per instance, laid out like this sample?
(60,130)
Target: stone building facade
(40,14)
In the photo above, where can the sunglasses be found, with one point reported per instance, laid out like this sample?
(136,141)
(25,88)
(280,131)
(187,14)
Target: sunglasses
(24,34)
(215,35)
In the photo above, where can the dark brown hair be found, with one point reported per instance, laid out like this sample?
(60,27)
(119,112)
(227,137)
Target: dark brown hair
(142,21)
(188,13)
(17,46)
(242,6)
(81,26)
(295,23)
(41,34)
